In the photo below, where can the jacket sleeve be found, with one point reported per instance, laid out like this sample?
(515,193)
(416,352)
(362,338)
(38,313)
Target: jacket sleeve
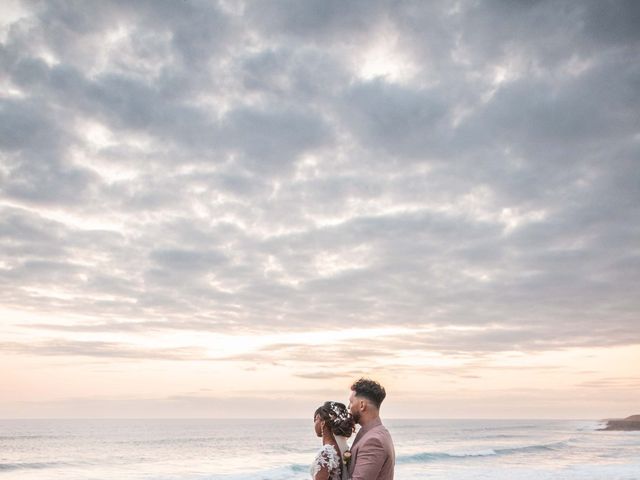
(371,458)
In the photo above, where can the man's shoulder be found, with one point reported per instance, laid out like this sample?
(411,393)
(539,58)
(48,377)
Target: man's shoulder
(380,429)
(383,432)
(379,433)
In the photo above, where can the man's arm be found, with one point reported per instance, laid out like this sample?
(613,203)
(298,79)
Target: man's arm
(371,457)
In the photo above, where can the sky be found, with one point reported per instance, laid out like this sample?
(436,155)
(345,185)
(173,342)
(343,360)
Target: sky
(237,208)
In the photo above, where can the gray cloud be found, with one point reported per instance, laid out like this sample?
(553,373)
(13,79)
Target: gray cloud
(404,122)
(101,350)
(190,166)
(631,383)
(272,138)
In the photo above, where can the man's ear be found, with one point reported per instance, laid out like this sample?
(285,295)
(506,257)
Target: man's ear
(363,405)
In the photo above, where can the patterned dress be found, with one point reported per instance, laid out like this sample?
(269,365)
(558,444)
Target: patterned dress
(327,457)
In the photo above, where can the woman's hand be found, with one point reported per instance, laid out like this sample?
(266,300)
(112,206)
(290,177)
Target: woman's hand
(323,474)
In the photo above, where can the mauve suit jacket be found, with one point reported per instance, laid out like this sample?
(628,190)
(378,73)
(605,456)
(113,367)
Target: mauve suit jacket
(372,454)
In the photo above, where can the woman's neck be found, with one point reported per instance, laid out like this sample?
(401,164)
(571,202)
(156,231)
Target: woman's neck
(328,439)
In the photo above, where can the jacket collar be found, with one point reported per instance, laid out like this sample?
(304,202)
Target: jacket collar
(374,423)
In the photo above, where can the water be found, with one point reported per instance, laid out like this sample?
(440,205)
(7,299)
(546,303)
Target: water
(283,450)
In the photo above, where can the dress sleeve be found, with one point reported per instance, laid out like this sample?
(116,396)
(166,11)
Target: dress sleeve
(371,458)
(325,463)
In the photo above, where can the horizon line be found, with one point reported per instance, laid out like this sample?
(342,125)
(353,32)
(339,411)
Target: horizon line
(305,418)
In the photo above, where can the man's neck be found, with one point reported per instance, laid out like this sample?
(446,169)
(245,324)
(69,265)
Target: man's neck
(364,421)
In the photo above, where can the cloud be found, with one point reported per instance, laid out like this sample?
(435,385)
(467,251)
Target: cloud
(404,122)
(290,166)
(630,383)
(101,350)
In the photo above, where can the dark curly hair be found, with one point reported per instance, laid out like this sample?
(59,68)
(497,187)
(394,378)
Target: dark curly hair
(369,389)
(337,418)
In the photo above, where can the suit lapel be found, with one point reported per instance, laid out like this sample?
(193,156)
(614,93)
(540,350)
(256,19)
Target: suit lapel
(358,437)
(363,431)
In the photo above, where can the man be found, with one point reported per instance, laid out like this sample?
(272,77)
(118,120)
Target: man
(372,454)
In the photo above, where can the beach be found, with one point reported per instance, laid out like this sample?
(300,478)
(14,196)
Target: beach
(283,449)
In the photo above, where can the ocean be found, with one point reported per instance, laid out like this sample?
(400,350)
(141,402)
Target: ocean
(283,449)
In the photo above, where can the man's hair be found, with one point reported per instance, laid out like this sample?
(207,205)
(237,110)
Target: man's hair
(369,389)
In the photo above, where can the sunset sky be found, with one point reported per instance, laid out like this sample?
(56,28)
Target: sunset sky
(235,209)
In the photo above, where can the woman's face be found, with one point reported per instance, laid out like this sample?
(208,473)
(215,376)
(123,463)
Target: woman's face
(318,425)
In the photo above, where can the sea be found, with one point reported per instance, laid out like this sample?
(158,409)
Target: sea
(283,450)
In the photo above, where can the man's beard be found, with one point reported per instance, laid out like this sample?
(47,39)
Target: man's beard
(356,416)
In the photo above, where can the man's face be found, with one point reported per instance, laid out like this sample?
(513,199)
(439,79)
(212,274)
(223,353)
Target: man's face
(355,406)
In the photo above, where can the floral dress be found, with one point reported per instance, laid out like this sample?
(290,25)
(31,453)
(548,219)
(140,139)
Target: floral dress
(327,457)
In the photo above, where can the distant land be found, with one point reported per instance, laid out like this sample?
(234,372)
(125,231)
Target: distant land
(629,423)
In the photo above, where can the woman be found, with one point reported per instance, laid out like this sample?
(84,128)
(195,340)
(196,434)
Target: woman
(334,424)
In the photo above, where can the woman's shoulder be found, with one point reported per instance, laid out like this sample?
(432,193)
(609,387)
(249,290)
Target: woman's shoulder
(328,459)
(328,451)
(329,448)
(328,455)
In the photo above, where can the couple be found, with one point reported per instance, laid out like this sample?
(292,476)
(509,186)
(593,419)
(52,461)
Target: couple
(372,456)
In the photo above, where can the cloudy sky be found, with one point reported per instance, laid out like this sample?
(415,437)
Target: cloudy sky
(237,208)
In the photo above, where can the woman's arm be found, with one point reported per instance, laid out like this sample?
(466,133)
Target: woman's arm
(322,474)
(326,462)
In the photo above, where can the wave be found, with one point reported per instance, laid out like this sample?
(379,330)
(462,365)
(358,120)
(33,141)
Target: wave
(544,447)
(502,435)
(29,437)
(4,467)
(435,456)
(278,473)
(591,426)
(517,426)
